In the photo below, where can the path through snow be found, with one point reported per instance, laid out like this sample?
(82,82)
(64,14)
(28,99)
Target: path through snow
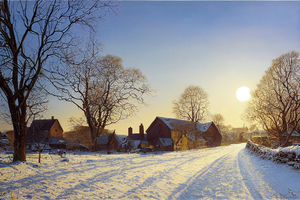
(215,173)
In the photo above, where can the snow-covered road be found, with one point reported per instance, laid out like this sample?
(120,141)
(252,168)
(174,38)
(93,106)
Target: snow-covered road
(230,172)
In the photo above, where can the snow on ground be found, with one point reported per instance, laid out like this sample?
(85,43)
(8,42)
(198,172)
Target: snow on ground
(227,172)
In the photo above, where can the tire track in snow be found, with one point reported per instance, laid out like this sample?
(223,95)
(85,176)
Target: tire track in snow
(141,190)
(252,179)
(220,180)
(230,176)
(164,178)
(119,173)
(202,172)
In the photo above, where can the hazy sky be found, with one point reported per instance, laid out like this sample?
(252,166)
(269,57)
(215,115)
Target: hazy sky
(219,46)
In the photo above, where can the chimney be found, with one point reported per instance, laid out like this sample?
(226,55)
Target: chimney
(52,117)
(142,132)
(129,132)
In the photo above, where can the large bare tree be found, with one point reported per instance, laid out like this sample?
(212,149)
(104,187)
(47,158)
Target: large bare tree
(192,105)
(101,88)
(33,33)
(275,103)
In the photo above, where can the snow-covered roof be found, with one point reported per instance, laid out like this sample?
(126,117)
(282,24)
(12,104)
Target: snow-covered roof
(104,139)
(170,122)
(121,138)
(191,137)
(135,143)
(166,141)
(43,124)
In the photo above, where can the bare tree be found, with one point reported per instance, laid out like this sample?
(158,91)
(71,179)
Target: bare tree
(275,103)
(218,120)
(75,123)
(192,105)
(102,89)
(32,33)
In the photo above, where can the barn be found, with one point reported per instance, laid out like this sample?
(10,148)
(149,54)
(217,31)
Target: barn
(183,133)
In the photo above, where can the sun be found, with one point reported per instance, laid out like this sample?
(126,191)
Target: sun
(243,93)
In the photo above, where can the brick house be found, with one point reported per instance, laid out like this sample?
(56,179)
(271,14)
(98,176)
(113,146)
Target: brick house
(136,140)
(118,143)
(46,131)
(103,142)
(186,142)
(111,142)
(183,134)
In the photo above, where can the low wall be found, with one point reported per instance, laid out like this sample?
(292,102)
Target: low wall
(288,155)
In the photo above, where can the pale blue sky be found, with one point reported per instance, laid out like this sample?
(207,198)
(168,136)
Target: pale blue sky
(219,46)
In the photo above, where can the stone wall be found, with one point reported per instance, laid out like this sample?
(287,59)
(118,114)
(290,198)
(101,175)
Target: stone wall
(287,155)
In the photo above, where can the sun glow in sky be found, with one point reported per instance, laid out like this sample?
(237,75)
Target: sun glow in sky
(216,45)
(243,93)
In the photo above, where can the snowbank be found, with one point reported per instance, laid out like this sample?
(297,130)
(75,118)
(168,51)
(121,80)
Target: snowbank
(289,155)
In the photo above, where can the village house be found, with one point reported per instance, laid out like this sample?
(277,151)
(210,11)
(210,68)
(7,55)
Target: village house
(118,143)
(181,134)
(136,140)
(241,133)
(110,141)
(103,142)
(186,142)
(47,132)
(11,137)
(4,140)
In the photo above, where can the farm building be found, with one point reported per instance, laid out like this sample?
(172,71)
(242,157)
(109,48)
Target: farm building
(183,133)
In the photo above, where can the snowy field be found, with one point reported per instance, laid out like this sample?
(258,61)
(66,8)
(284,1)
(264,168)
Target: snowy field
(227,172)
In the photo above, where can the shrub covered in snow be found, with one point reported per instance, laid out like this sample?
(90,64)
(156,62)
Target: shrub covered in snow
(289,155)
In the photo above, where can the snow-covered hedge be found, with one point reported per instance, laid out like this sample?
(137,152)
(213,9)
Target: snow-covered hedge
(289,155)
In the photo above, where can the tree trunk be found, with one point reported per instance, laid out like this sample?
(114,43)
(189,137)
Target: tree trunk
(18,120)
(19,145)
(19,142)
(90,124)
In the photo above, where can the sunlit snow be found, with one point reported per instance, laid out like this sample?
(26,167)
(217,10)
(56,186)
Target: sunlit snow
(227,172)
